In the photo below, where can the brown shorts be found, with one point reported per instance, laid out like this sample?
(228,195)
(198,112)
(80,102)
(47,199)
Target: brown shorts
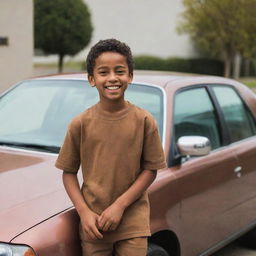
(129,247)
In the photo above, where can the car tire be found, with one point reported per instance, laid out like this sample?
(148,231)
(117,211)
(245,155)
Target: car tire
(156,250)
(249,239)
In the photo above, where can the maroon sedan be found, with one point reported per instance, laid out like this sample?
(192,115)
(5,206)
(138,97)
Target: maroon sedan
(205,199)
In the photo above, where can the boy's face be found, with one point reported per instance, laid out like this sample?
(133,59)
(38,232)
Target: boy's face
(111,76)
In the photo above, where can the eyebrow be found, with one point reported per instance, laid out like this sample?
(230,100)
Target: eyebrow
(121,66)
(102,67)
(117,67)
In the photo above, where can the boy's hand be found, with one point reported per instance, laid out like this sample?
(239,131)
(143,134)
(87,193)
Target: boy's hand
(111,217)
(89,224)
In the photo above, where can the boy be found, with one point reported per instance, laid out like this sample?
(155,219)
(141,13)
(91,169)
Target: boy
(119,149)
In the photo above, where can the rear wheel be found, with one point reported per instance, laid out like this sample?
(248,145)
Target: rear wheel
(156,250)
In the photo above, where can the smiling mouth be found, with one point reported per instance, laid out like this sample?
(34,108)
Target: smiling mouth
(112,87)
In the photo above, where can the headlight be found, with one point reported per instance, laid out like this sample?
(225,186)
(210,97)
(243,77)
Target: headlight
(15,250)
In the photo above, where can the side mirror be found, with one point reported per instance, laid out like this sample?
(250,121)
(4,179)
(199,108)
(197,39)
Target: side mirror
(194,146)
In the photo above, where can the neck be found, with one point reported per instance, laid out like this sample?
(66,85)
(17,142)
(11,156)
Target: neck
(113,106)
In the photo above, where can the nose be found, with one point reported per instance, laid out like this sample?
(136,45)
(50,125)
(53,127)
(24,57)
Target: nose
(112,77)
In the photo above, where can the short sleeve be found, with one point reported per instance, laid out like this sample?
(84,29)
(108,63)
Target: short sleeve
(153,157)
(69,156)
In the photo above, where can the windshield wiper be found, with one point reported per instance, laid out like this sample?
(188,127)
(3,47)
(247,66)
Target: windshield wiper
(47,148)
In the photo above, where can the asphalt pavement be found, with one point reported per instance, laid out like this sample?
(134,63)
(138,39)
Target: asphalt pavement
(235,250)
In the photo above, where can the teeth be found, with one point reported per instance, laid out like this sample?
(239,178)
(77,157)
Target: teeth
(112,87)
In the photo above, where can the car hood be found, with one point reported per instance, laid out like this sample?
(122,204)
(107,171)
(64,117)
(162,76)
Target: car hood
(31,190)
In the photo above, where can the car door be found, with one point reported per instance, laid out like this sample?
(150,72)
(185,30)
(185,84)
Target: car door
(241,127)
(207,184)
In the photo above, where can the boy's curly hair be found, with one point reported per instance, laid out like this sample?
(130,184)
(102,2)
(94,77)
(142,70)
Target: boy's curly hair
(108,45)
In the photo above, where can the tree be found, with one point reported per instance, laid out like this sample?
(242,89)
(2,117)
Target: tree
(248,38)
(61,27)
(221,27)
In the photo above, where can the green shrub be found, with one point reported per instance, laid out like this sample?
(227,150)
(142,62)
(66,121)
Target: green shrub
(195,65)
(206,66)
(149,63)
(177,64)
(201,66)
(252,68)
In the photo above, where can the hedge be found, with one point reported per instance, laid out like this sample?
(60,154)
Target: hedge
(196,65)
(193,65)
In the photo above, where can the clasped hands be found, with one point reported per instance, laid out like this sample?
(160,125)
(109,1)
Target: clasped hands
(109,219)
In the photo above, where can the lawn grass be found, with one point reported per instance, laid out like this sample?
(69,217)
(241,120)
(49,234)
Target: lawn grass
(249,82)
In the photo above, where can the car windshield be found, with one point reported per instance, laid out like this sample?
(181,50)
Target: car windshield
(35,114)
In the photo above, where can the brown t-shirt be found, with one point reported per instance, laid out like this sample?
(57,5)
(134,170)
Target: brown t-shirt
(112,150)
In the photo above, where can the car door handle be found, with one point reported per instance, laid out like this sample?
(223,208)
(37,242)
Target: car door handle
(238,170)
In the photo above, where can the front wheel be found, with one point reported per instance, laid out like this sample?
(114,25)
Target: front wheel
(156,250)
(249,239)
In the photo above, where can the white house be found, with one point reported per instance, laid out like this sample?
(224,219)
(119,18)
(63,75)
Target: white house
(16,41)
(147,26)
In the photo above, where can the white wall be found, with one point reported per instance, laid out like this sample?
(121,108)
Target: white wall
(147,26)
(16,23)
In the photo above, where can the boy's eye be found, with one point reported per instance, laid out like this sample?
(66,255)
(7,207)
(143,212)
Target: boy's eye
(120,72)
(103,72)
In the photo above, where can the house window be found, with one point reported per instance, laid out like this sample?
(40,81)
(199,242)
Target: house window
(3,41)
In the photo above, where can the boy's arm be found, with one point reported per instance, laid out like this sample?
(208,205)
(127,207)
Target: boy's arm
(111,217)
(88,218)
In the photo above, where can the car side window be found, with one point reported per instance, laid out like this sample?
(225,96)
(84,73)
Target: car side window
(194,114)
(238,119)
(149,98)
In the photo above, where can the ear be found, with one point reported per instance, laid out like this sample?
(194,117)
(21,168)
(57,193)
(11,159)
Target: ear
(91,80)
(130,77)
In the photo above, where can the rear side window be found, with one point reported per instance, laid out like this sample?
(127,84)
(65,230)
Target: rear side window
(194,114)
(238,119)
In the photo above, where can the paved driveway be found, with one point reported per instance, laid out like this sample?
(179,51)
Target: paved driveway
(235,250)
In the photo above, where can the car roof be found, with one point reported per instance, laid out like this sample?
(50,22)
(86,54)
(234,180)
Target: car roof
(160,78)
